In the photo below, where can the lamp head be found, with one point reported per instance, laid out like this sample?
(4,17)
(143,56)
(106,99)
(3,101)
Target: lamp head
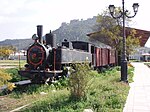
(111,8)
(135,7)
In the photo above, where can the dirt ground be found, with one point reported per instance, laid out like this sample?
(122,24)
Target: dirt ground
(7,104)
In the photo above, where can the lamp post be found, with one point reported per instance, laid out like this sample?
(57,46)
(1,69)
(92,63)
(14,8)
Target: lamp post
(123,14)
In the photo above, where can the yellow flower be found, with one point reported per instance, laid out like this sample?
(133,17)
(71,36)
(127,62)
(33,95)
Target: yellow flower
(11,86)
(130,65)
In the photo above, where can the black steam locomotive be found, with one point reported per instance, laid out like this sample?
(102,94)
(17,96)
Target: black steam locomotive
(46,61)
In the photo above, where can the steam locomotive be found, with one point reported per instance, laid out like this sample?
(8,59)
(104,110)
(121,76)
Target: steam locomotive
(46,61)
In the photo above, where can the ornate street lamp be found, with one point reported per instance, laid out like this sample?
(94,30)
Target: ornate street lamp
(123,14)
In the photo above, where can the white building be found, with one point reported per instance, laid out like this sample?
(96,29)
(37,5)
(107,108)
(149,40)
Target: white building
(18,55)
(139,54)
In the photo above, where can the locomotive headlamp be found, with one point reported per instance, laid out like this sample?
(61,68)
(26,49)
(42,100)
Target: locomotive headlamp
(35,37)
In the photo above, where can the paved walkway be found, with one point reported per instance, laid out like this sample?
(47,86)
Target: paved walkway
(138,99)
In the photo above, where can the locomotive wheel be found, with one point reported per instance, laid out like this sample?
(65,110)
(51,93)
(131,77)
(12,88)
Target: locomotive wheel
(37,79)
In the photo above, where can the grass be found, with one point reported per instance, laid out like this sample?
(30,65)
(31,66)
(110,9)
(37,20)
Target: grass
(12,63)
(11,67)
(105,94)
(147,63)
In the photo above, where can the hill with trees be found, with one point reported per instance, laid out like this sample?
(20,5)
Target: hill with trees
(19,44)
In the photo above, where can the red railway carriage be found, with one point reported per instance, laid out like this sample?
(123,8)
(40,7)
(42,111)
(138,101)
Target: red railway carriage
(98,56)
(104,57)
(112,57)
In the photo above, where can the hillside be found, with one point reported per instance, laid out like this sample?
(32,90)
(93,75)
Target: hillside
(18,43)
(75,30)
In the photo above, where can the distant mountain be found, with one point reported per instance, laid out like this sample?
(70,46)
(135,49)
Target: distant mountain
(75,30)
(18,43)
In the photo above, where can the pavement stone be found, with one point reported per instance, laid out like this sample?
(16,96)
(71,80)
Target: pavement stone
(138,99)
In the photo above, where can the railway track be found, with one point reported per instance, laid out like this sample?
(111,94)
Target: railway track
(24,82)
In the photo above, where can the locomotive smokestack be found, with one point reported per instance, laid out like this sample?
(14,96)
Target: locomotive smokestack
(39,32)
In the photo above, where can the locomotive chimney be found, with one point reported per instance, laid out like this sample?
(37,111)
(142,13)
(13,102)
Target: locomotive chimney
(39,32)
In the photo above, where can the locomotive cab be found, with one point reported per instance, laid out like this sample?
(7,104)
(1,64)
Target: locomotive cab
(67,44)
(80,45)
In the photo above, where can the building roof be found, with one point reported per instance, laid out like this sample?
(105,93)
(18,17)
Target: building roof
(140,33)
(145,54)
(143,33)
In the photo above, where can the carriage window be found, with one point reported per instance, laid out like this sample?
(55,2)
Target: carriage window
(83,47)
(92,49)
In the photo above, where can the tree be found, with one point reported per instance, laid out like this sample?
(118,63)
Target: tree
(132,42)
(5,51)
(109,31)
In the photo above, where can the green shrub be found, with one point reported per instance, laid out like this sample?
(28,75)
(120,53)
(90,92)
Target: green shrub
(4,80)
(130,74)
(79,80)
(14,74)
(61,83)
(4,77)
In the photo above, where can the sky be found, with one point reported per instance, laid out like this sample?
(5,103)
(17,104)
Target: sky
(19,18)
